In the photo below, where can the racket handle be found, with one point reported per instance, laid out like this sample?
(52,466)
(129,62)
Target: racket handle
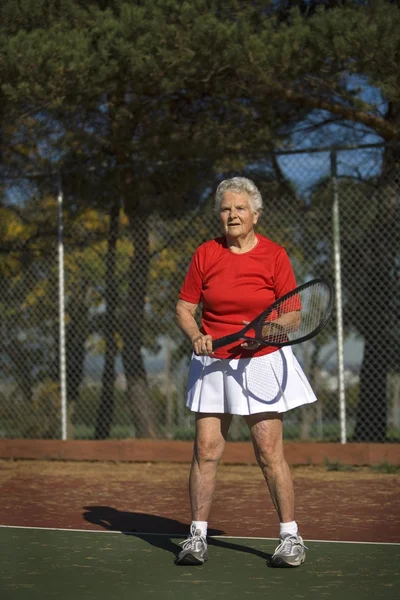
(224,341)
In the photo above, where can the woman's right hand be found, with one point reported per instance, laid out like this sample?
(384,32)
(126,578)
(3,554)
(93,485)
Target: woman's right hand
(202,345)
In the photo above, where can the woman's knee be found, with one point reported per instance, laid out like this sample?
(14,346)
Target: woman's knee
(266,433)
(211,432)
(208,450)
(268,450)
(268,456)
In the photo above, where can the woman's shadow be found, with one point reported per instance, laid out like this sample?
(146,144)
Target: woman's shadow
(156,530)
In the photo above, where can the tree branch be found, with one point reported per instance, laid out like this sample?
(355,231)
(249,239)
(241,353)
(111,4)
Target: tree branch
(384,128)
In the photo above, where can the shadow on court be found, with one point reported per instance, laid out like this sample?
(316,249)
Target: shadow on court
(149,527)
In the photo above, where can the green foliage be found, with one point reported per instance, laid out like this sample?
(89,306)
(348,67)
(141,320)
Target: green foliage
(39,418)
(201,60)
(184,433)
(86,408)
(386,467)
(336,465)
(85,411)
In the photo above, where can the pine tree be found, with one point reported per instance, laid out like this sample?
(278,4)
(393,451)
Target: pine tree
(156,97)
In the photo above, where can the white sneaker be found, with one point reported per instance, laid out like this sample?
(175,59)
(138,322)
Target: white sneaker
(291,552)
(194,549)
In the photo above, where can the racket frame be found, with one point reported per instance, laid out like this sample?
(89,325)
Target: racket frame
(241,335)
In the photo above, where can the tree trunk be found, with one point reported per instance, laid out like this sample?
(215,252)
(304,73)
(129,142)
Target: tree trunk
(105,412)
(76,336)
(372,411)
(379,266)
(77,333)
(138,392)
(21,368)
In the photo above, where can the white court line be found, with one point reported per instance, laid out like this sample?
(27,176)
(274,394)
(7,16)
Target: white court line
(223,537)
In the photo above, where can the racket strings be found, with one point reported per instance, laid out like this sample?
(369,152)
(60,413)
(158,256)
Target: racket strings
(296,317)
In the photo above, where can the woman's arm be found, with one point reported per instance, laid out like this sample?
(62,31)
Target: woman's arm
(290,321)
(185,316)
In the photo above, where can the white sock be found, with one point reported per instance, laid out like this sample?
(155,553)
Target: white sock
(289,528)
(202,525)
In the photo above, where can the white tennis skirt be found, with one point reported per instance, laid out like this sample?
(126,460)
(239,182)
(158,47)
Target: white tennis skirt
(271,383)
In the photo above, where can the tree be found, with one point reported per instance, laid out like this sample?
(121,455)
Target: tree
(379,254)
(128,87)
(106,406)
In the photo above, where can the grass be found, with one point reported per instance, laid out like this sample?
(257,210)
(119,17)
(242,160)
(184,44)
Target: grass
(385,467)
(336,465)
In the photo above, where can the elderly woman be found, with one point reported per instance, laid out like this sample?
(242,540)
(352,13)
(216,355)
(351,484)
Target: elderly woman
(235,277)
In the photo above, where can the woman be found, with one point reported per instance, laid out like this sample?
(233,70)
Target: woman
(235,277)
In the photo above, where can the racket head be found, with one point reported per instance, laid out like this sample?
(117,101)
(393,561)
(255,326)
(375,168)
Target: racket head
(308,309)
(311,304)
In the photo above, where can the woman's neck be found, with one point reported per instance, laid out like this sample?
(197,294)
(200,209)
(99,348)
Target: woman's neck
(239,245)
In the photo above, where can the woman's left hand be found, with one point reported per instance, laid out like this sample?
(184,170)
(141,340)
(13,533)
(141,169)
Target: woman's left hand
(249,345)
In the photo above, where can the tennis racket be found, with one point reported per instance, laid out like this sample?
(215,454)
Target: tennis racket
(295,317)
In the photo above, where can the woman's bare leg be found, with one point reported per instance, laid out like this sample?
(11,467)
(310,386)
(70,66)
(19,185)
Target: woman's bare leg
(211,432)
(267,435)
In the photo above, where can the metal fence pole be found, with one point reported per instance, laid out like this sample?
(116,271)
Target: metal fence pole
(338,290)
(61,311)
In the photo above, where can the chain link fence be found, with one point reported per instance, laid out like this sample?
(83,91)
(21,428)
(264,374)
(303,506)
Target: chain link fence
(120,371)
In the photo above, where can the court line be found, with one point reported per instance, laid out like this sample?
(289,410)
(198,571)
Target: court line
(177,535)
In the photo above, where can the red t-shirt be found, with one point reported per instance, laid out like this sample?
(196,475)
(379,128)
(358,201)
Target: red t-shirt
(233,288)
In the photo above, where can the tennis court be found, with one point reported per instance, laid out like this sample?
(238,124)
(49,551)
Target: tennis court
(111,530)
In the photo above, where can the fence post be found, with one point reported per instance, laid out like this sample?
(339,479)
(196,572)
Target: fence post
(338,292)
(61,310)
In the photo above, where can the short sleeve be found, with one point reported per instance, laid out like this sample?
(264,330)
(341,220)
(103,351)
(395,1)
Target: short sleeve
(284,279)
(193,283)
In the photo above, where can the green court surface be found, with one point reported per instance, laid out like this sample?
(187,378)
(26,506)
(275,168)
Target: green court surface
(69,564)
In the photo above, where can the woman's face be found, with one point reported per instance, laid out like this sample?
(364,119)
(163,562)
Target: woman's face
(236,215)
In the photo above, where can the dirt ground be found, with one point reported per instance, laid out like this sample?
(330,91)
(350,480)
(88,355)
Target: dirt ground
(348,505)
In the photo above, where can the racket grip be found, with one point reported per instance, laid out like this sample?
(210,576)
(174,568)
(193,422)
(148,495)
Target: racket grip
(224,341)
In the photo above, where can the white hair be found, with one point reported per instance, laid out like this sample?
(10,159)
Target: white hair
(239,185)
